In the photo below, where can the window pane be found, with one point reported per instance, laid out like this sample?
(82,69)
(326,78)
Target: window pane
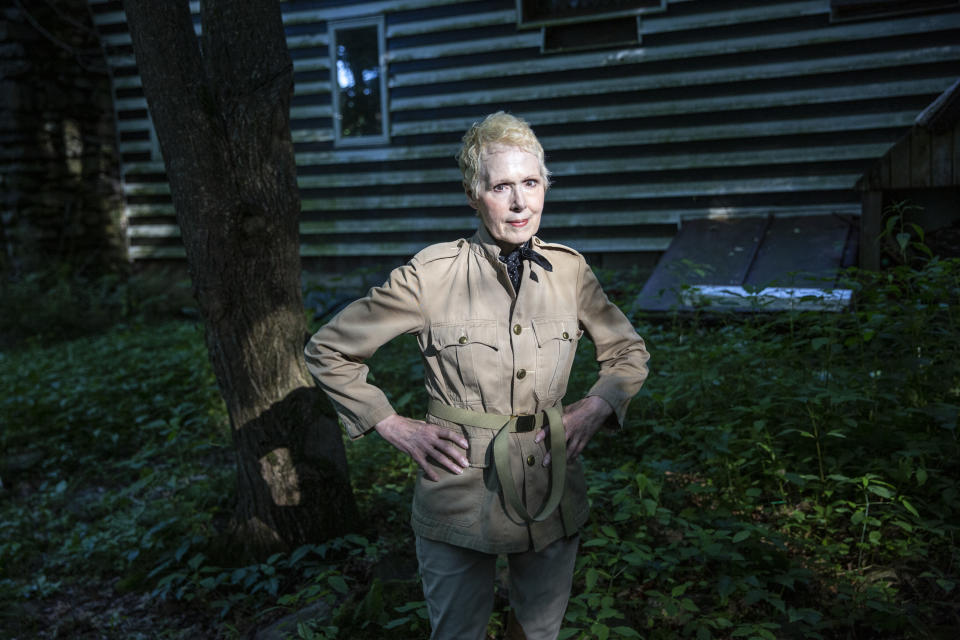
(545,10)
(358,82)
(862,9)
(614,32)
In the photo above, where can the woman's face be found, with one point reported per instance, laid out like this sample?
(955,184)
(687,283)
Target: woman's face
(511,195)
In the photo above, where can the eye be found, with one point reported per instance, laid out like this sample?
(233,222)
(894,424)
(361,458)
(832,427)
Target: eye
(531,182)
(500,188)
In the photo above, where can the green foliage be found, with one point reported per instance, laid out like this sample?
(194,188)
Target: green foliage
(782,475)
(785,475)
(904,241)
(59,304)
(115,450)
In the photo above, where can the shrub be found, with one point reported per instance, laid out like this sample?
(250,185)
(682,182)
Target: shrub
(59,304)
(785,475)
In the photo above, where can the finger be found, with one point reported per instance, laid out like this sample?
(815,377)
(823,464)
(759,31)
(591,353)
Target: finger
(456,438)
(447,456)
(427,469)
(574,447)
(540,435)
(546,459)
(571,447)
(430,462)
(448,463)
(453,453)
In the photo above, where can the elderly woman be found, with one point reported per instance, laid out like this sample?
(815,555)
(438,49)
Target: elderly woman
(497,318)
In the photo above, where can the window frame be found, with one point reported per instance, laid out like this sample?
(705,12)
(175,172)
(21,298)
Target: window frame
(847,10)
(593,17)
(547,48)
(339,140)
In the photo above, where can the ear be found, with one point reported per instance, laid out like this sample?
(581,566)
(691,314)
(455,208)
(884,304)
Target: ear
(470,198)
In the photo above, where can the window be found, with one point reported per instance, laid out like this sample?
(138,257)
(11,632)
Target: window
(865,9)
(538,13)
(602,34)
(359,82)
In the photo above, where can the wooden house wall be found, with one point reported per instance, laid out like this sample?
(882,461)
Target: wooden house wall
(724,108)
(921,159)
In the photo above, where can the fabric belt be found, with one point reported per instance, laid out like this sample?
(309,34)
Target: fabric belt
(505,425)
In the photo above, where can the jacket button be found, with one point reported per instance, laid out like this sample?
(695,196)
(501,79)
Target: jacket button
(463,339)
(566,336)
(517,329)
(521,374)
(531,460)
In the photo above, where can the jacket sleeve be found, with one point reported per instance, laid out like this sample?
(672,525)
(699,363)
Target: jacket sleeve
(619,350)
(336,352)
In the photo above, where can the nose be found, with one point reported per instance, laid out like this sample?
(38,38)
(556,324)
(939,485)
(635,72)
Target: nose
(518,203)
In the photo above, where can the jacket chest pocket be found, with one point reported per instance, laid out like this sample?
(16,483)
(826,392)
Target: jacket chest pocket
(468,357)
(556,346)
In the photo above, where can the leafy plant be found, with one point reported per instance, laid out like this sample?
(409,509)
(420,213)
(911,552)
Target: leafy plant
(906,239)
(786,475)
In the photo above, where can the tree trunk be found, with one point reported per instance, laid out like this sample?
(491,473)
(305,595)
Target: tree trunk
(222,120)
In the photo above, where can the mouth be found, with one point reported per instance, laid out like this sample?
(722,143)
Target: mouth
(518,224)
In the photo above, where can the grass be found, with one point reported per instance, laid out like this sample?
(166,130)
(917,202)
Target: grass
(788,475)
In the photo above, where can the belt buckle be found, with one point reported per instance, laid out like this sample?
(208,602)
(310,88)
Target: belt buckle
(526,423)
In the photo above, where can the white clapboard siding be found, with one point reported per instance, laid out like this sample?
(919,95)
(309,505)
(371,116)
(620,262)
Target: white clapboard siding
(698,105)
(582,167)
(649,54)
(854,63)
(555,221)
(761,107)
(837,124)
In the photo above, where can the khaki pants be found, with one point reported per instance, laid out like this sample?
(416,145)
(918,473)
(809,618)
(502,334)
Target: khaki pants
(458,588)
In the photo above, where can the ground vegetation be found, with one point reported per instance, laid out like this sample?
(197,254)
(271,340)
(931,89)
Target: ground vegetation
(781,475)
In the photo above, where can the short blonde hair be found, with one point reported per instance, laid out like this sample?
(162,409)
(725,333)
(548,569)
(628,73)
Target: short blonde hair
(498,128)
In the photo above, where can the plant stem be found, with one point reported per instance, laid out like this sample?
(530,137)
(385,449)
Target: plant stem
(816,441)
(863,531)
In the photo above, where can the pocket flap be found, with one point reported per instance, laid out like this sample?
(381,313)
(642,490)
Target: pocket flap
(547,329)
(462,334)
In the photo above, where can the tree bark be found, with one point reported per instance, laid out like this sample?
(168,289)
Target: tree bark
(220,107)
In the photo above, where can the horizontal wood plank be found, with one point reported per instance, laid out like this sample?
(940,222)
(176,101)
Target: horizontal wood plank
(794,107)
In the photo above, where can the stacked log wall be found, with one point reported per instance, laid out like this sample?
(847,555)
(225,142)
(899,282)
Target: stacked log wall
(61,199)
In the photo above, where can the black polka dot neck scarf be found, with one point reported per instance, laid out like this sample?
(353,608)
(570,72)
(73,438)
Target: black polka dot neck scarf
(514,261)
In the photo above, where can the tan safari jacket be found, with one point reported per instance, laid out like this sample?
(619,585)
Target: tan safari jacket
(485,348)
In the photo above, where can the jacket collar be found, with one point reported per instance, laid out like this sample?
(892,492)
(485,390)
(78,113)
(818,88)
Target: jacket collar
(484,244)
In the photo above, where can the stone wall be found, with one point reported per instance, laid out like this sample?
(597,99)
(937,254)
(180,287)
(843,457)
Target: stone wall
(60,194)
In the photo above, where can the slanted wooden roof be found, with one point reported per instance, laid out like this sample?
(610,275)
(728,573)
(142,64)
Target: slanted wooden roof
(927,156)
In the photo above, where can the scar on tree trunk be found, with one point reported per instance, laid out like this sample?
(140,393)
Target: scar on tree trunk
(286,476)
(221,116)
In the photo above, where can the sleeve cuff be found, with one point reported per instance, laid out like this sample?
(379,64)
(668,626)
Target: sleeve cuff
(617,400)
(357,426)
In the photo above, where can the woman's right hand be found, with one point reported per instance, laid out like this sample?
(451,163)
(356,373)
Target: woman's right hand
(423,442)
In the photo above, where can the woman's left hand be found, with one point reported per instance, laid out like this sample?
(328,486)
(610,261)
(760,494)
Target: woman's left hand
(581,420)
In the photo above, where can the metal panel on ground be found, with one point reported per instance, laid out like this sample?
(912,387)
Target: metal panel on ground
(768,263)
